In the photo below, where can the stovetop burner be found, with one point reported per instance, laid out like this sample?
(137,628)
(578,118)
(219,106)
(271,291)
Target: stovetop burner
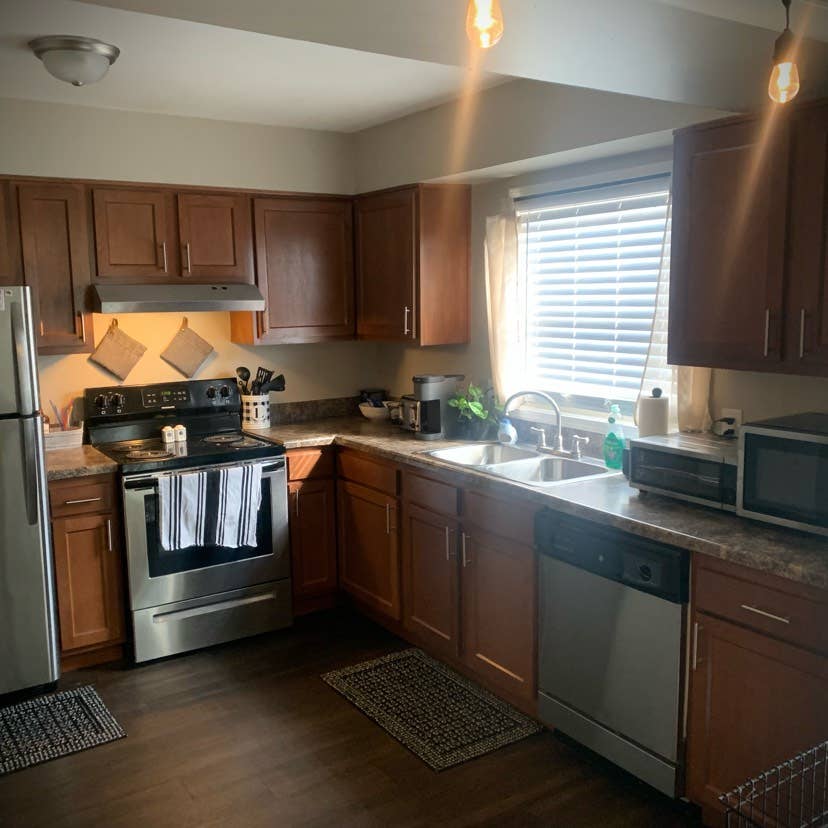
(223,439)
(149,454)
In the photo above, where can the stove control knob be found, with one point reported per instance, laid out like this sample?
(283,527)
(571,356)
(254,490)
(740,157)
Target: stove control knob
(100,402)
(211,393)
(224,391)
(116,401)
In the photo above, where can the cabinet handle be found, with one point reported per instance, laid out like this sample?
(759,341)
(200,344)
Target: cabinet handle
(448,544)
(297,503)
(109,535)
(187,251)
(406,330)
(164,254)
(802,333)
(695,658)
(83,326)
(81,500)
(764,614)
(466,557)
(387,518)
(767,331)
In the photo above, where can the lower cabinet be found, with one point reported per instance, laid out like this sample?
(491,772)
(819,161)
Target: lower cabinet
(369,557)
(312,539)
(88,572)
(430,579)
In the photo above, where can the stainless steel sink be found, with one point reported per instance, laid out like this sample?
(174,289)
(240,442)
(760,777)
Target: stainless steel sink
(541,471)
(482,454)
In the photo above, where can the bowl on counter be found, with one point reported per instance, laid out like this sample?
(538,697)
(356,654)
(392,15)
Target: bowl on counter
(370,412)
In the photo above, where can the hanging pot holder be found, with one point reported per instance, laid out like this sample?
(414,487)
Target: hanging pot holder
(118,352)
(188,351)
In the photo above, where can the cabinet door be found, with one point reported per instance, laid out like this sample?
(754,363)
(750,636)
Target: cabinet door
(808,265)
(304,266)
(369,560)
(386,262)
(216,237)
(499,612)
(728,245)
(10,270)
(754,702)
(89,581)
(430,582)
(54,233)
(134,234)
(313,537)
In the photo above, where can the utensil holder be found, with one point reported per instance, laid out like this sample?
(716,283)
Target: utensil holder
(255,410)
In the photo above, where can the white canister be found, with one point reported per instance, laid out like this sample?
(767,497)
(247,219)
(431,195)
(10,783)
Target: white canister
(180,433)
(255,410)
(167,435)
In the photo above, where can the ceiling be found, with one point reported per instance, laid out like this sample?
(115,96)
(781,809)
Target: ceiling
(189,68)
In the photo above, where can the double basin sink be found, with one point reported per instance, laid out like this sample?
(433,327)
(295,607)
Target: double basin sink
(520,464)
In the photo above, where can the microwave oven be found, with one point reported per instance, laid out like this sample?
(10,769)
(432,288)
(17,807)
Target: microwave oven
(783,472)
(699,468)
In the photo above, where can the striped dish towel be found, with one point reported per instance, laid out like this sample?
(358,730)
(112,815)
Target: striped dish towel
(182,500)
(239,498)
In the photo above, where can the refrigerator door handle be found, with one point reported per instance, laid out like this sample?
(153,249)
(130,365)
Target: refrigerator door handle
(30,472)
(26,403)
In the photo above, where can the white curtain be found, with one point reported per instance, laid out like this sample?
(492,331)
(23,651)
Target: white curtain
(505,300)
(688,388)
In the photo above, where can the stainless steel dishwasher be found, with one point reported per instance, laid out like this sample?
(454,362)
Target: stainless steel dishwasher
(613,618)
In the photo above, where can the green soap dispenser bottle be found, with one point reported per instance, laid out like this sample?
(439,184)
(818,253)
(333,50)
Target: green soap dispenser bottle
(614,441)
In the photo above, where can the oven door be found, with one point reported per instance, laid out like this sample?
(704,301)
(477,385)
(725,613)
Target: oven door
(783,478)
(157,576)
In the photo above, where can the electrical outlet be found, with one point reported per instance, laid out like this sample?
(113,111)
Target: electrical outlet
(736,413)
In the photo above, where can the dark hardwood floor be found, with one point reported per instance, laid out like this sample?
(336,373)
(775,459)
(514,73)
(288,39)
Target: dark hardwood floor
(248,735)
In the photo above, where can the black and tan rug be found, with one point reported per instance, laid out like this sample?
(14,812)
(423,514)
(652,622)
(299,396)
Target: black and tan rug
(51,726)
(437,714)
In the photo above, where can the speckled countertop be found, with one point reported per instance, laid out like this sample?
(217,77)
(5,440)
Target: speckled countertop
(82,461)
(797,556)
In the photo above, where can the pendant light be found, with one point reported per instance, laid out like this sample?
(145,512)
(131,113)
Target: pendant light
(76,60)
(484,22)
(784,80)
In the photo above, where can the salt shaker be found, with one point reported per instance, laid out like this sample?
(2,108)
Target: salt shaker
(180,433)
(167,435)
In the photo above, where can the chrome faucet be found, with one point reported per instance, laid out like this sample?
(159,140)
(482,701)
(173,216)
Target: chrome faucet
(558,444)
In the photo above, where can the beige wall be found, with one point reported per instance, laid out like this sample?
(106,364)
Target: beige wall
(766,395)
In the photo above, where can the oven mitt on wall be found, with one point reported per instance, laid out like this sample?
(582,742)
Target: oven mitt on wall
(118,352)
(188,351)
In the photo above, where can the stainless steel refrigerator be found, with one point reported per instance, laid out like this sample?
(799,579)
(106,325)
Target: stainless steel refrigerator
(28,629)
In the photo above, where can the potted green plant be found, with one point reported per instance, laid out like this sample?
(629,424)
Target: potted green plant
(477,414)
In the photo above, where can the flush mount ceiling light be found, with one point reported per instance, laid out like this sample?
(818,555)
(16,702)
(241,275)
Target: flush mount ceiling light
(484,22)
(76,60)
(784,80)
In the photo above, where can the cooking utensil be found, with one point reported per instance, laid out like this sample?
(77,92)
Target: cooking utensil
(242,376)
(262,376)
(276,384)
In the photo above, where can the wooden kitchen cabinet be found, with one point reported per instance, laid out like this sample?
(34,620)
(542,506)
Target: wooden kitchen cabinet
(135,235)
(11,272)
(304,269)
(730,206)
(56,264)
(430,579)
(215,237)
(412,259)
(369,557)
(89,573)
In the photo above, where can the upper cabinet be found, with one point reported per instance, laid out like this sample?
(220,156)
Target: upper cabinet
(412,259)
(304,269)
(55,243)
(216,237)
(10,268)
(135,235)
(748,271)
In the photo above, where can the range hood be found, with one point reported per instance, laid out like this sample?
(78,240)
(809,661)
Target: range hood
(176,298)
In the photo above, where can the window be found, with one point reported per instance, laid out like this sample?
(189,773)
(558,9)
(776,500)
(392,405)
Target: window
(591,258)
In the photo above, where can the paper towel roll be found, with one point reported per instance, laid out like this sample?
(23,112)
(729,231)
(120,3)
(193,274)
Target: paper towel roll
(653,416)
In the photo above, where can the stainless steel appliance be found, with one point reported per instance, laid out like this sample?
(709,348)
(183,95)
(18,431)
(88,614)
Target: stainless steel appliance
(424,412)
(28,629)
(201,595)
(699,468)
(611,655)
(783,471)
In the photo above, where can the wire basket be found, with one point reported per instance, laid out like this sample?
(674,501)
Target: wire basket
(794,794)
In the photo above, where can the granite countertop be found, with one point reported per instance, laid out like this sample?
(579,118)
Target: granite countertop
(81,461)
(609,499)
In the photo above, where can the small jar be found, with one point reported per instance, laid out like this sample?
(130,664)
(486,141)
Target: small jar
(180,433)
(167,435)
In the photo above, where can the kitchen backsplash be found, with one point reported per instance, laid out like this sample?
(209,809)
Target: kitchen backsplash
(307,410)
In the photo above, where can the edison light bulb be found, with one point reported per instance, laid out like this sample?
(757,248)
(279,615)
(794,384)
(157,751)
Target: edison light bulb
(784,82)
(484,22)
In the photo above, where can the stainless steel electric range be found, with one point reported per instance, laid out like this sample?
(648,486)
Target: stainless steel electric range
(194,597)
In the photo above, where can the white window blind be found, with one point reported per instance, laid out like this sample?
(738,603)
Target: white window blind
(592,260)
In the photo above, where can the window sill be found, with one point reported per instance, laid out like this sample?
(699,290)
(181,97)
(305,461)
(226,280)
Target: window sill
(590,421)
